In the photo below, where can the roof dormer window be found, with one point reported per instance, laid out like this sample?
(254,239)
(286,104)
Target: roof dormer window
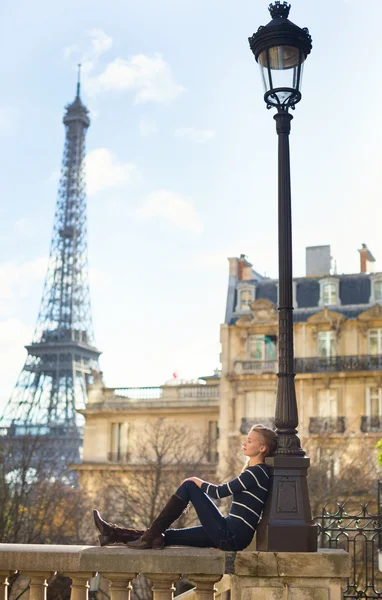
(245,297)
(329,292)
(376,288)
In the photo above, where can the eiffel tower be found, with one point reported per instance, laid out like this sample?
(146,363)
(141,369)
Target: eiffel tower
(62,358)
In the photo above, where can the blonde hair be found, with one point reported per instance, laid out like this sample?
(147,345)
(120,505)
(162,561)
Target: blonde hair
(269,438)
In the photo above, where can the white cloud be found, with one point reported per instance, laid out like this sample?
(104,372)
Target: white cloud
(200,136)
(16,281)
(100,42)
(147,127)
(149,77)
(103,171)
(178,211)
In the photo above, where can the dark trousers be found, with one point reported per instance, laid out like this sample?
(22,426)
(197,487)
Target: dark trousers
(213,532)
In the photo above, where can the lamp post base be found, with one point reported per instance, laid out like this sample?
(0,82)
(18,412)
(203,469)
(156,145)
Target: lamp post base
(287,524)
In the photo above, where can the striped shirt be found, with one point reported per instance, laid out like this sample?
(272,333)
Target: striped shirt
(249,491)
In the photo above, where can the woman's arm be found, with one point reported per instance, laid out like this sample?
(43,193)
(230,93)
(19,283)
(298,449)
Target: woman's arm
(249,479)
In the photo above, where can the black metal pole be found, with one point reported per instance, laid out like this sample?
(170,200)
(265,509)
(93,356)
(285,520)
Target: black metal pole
(287,524)
(286,420)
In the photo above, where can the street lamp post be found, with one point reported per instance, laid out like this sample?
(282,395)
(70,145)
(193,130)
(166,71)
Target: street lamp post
(280,48)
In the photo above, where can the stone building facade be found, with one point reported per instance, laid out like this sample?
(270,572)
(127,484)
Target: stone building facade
(338,357)
(338,364)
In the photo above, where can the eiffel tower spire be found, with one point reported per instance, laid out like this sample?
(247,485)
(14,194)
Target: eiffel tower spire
(62,356)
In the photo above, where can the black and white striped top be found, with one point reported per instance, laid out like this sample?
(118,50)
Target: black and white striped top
(249,491)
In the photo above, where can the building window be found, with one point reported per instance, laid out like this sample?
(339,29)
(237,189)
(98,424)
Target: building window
(262,347)
(326,344)
(260,404)
(378,291)
(327,403)
(375,342)
(374,402)
(118,442)
(245,297)
(213,436)
(329,292)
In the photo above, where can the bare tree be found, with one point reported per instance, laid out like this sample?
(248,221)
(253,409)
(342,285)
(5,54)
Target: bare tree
(39,502)
(165,456)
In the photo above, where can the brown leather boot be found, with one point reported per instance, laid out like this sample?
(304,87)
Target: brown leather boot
(154,535)
(112,533)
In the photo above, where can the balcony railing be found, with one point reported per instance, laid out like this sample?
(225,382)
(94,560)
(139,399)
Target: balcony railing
(371,424)
(141,393)
(246,423)
(200,391)
(317,364)
(313,364)
(118,457)
(327,425)
(256,367)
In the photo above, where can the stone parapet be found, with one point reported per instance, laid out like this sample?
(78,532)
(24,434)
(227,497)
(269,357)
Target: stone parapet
(251,575)
(289,575)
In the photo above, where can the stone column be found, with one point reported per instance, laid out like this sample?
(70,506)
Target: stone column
(79,585)
(120,585)
(163,585)
(289,575)
(205,586)
(38,584)
(4,585)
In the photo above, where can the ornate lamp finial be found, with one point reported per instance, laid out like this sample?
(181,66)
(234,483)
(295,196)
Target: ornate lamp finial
(279,11)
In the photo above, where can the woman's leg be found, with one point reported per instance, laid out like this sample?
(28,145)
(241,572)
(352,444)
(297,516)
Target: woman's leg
(213,522)
(189,536)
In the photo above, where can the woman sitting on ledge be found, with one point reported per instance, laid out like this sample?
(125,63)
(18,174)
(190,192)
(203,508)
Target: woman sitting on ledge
(235,532)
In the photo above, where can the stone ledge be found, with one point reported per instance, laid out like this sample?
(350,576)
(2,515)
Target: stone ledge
(324,563)
(112,559)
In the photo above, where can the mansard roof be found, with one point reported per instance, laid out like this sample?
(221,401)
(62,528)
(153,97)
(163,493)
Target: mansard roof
(354,293)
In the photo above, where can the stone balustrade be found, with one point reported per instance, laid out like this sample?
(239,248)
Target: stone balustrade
(249,575)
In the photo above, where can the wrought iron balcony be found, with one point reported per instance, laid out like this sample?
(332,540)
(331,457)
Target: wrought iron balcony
(118,457)
(317,364)
(312,364)
(327,425)
(246,423)
(371,424)
(256,367)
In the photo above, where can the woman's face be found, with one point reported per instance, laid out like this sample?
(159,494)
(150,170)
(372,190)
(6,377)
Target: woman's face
(254,444)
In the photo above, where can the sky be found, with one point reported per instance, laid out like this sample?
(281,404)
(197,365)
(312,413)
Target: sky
(181,164)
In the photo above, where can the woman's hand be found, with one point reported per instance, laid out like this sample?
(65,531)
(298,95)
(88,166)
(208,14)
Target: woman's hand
(195,480)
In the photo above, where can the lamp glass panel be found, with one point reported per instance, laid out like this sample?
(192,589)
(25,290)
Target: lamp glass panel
(281,67)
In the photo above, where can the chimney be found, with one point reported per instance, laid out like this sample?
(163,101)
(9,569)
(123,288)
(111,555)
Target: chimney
(318,260)
(367,260)
(244,269)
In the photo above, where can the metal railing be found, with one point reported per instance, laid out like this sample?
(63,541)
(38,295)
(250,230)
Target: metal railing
(312,364)
(118,457)
(357,532)
(317,364)
(371,424)
(257,367)
(327,425)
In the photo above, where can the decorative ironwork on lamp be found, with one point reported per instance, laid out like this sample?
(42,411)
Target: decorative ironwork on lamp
(280,49)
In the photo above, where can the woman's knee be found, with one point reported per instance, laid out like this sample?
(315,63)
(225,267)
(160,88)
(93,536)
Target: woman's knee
(186,489)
